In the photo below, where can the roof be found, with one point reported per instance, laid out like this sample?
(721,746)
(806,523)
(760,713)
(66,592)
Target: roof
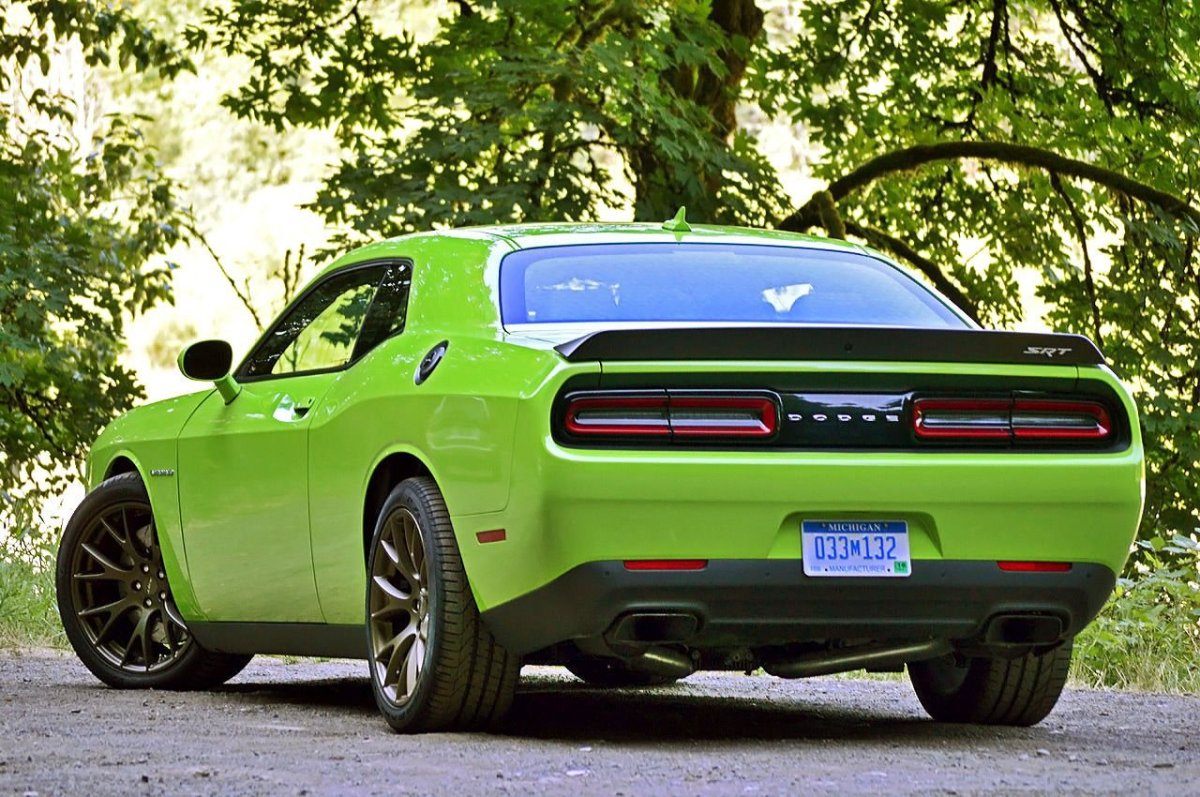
(526,236)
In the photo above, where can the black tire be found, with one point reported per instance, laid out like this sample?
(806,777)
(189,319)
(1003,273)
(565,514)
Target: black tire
(111,586)
(434,665)
(992,691)
(609,673)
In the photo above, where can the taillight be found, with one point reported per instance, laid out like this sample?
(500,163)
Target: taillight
(722,417)
(666,415)
(1059,420)
(619,416)
(1007,419)
(962,418)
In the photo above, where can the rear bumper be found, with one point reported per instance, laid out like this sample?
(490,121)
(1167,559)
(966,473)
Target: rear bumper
(771,602)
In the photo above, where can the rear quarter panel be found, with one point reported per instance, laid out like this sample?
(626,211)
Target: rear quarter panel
(459,423)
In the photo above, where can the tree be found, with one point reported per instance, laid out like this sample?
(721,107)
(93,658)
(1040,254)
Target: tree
(83,210)
(1056,138)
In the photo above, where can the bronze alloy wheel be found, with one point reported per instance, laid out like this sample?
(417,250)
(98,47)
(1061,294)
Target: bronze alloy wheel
(434,665)
(399,607)
(116,606)
(119,591)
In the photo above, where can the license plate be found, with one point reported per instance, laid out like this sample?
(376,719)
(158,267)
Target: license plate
(877,548)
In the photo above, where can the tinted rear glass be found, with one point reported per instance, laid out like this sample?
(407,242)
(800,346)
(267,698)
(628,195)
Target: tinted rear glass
(666,282)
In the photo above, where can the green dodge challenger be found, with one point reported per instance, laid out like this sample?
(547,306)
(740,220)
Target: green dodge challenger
(633,450)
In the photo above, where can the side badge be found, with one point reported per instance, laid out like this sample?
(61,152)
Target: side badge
(162,472)
(430,361)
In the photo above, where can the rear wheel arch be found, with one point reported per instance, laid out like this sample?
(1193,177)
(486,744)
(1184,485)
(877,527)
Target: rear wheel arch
(389,472)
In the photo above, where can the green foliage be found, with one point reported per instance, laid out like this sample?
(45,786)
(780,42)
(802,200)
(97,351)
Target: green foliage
(514,111)
(1109,84)
(28,616)
(79,222)
(1148,636)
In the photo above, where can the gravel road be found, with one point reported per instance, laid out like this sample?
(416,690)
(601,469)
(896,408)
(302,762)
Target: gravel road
(311,728)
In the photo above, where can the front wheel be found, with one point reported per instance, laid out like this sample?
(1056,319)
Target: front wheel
(434,665)
(114,600)
(992,691)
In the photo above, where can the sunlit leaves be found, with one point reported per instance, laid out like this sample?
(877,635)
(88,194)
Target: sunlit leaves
(79,223)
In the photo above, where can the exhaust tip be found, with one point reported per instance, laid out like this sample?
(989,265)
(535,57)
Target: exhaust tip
(653,628)
(1024,629)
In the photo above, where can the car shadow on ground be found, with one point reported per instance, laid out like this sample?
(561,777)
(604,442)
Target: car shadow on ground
(564,709)
(579,712)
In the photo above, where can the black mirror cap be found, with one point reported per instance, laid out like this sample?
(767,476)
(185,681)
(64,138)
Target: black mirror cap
(206,360)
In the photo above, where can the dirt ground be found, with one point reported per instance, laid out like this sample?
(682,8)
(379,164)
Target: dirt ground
(310,728)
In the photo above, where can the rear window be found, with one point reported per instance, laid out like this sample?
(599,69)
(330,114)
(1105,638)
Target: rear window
(690,282)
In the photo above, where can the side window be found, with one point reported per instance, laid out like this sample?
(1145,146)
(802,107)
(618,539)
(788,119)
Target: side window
(388,314)
(321,332)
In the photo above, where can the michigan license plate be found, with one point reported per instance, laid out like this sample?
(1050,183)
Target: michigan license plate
(855,548)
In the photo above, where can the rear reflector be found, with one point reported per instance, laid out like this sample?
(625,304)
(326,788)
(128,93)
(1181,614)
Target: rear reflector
(495,535)
(1006,419)
(666,564)
(670,415)
(1035,567)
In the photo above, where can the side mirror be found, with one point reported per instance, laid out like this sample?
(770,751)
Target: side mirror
(210,361)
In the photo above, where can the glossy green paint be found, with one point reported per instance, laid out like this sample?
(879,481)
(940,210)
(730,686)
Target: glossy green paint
(243,492)
(593,505)
(265,520)
(146,437)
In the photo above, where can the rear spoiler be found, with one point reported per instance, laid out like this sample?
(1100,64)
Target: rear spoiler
(833,343)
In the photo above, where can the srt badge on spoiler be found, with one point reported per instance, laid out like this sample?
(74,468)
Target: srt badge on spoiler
(1047,351)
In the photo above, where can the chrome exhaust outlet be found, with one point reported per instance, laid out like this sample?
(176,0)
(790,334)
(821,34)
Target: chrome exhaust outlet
(834,661)
(662,661)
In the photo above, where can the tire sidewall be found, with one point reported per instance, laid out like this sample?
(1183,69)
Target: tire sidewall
(410,714)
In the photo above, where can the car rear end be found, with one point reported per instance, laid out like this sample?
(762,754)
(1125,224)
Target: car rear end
(810,497)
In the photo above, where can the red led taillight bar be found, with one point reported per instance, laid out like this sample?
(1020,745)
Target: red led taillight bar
(972,419)
(1060,420)
(618,416)
(726,416)
(1006,419)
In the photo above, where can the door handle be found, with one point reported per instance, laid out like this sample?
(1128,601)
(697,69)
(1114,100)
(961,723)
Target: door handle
(290,410)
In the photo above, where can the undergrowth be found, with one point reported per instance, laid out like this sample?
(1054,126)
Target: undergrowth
(28,616)
(1147,637)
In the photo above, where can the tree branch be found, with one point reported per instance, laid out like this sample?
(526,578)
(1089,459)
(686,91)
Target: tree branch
(242,297)
(909,158)
(1081,233)
(831,220)
(882,240)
